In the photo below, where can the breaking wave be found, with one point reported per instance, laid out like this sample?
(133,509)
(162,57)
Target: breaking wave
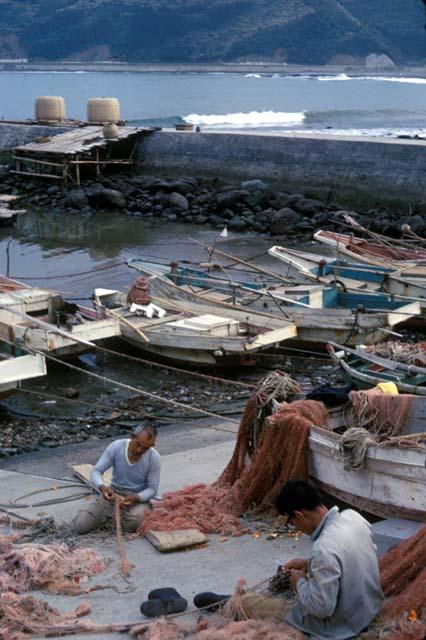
(340,77)
(251,120)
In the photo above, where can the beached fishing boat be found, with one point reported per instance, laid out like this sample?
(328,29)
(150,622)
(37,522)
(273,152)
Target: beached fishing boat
(321,314)
(361,250)
(180,329)
(15,369)
(392,481)
(364,369)
(352,276)
(42,320)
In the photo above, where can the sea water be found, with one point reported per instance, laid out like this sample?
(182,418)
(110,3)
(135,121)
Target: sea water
(338,104)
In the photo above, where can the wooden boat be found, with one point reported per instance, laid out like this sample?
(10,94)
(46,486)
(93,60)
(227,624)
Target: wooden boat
(190,332)
(14,369)
(43,320)
(360,250)
(321,314)
(392,483)
(364,370)
(353,276)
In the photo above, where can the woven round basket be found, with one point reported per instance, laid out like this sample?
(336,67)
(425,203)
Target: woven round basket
(101,110)
(50,109)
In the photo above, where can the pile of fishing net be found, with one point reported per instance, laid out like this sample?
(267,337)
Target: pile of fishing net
(24,616)
(403,577)
(49,567)
(383,415)
(374,418)
(407,353)
(217,627)
(270,449)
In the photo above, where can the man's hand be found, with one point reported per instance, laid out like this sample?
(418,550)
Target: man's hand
(129,501)
(107,492)
(300,564)
(295,576)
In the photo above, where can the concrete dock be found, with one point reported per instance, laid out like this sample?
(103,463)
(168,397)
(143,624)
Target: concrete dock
(215,567)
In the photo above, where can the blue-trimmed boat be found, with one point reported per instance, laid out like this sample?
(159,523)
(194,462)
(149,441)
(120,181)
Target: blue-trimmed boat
(321,314)
(407,283)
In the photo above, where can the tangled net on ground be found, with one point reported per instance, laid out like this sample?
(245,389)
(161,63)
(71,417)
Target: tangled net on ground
(218,628)
(205,507)
(407,353)
(54,568)
(268,452)
(23,616)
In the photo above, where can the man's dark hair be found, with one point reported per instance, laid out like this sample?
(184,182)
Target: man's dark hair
(296,495)
(148,428)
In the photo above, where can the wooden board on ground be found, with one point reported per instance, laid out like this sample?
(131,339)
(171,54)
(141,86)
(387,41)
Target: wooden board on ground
(167,541)
(83,471)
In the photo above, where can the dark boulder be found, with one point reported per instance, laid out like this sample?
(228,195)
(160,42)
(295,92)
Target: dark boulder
(237,224)
(254,185)
(284,221)
(75,199)
(178,201)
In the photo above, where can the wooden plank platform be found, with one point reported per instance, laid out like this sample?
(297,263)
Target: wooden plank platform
(78,141)
(66,155)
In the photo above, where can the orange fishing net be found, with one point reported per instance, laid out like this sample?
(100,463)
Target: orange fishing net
(218,628)
(281,453)
(403,575)
(382,415)
(50,567)
(268,452)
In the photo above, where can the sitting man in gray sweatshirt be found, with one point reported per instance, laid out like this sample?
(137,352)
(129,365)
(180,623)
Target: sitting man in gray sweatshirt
(337,589)
(135,478)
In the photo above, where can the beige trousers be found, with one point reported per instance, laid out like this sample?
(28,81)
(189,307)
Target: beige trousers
(265,607)
(101,512)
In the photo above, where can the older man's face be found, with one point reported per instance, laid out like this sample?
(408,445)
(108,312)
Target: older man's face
(141,443)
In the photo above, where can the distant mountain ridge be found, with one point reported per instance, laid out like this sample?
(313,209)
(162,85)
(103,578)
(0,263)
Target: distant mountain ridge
(293,31)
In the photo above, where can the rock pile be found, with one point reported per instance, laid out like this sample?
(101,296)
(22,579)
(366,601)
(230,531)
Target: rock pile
(250,206)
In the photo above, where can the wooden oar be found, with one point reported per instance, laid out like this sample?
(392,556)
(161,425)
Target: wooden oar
(244,262)
(114,314)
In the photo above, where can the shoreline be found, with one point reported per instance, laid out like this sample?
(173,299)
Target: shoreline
(231,67)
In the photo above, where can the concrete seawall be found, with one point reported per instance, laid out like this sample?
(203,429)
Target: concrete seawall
(365,171)
(361,171)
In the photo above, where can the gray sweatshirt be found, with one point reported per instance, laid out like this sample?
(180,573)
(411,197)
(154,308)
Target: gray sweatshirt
(142,477)
(341,594)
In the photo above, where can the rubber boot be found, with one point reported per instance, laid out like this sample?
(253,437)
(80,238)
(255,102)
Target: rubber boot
(213,601)
(163,602)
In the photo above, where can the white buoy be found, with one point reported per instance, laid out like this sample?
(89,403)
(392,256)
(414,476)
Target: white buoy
(50,109)
(102,110)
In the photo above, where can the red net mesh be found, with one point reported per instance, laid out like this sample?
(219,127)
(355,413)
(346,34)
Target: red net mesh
(50,567)
(403,575)
(381,414)
(248,481)
(281,453)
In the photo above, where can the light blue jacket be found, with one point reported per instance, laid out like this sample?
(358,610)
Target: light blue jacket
(341,593)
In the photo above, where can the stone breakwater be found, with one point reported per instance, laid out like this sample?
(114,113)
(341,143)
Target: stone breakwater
(250,205)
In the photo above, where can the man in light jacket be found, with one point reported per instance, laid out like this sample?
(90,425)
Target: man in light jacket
(135,467)
(337,589)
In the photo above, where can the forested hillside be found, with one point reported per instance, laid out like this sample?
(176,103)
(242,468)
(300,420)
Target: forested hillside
(293,31)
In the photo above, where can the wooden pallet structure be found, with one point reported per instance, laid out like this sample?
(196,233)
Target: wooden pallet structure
(66,156)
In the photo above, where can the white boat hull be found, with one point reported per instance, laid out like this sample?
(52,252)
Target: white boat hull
(15,369)
(392,483)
